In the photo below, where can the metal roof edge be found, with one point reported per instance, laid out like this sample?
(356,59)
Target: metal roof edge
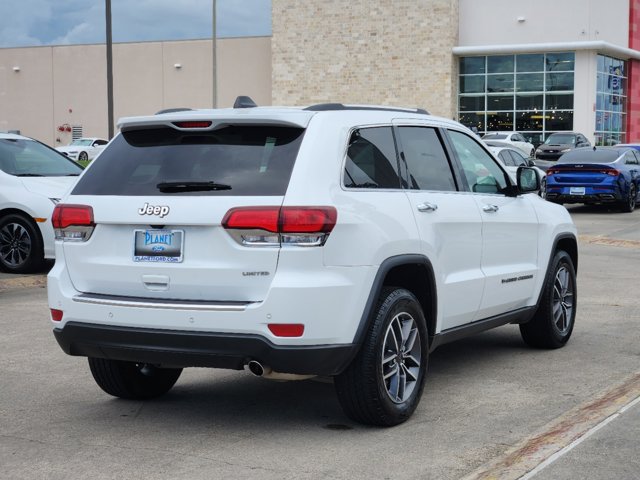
(599,46)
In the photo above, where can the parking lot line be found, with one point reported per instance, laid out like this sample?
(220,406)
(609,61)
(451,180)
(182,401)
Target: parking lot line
(561,435)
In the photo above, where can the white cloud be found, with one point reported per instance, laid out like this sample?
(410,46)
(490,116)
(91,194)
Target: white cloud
(44,22)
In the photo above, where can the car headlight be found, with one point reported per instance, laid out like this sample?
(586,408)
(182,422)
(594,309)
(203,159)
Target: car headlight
(538,150)
(565,150)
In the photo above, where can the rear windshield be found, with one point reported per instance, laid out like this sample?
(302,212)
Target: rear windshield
(237,160)
(495,136)
(588,155)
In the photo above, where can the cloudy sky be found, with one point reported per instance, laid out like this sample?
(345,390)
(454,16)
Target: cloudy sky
(63,22)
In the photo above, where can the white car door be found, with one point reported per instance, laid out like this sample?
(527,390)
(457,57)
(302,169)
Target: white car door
(509,231)
(448,221)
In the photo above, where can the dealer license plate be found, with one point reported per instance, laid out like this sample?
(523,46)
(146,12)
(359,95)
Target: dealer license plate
(576,191)
(158,245)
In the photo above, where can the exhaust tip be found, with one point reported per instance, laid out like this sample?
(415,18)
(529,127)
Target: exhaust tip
(256,368)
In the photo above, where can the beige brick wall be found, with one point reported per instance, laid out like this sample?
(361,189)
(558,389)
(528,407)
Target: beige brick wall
(388,52)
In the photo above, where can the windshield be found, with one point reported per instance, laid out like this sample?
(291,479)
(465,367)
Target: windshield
(560,139)
(495,136)
(233,160)
(82,142)
(28,158)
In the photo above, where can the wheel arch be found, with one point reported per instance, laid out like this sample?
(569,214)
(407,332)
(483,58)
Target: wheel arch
(412,272)
(566,242)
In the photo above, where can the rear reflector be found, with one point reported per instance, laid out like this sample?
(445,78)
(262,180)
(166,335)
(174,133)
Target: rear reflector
(286,329)
(193,124)
(56,315)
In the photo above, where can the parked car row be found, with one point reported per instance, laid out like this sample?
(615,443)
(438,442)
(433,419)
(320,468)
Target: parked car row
(33,178)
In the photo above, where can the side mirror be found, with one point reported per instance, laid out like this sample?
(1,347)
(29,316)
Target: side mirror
(528,180)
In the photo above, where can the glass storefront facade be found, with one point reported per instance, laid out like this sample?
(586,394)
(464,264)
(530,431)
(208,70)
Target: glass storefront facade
(611,101)
(528,93)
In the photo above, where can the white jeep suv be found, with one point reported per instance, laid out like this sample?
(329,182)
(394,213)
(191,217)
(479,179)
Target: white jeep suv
(332,240)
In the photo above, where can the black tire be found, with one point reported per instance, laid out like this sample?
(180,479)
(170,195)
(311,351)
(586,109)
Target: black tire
(83,157)
(628,205)
(363,391)
(133,381)
(552,325)
(543,188)
(21,248)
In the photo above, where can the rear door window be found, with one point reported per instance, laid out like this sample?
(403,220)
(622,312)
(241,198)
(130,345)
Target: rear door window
(427,164)
(244,160)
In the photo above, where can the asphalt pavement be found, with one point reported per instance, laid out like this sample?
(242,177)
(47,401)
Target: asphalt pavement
(492,408)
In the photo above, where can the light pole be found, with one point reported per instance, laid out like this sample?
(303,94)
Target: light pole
(109,69)
(215,59)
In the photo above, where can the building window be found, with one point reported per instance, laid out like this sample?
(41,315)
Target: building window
(611,101)
(528,93)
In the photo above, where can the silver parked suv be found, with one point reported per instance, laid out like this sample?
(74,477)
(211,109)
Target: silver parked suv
(332,240)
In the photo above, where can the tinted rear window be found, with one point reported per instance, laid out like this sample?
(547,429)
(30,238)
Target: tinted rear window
(252,160)
(588,155)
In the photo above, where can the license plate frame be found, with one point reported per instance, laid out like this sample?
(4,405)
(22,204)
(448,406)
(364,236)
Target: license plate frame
(576,190)
(158,245)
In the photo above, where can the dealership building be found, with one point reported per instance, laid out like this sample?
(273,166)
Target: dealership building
(533,67)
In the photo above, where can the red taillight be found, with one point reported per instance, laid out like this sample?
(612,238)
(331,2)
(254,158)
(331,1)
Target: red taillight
(66,215)
(56,315)
(193,124)
(301,226)
(307,219)
(610,171)
(552,171)
(72,223)
(286,329)
(252,218)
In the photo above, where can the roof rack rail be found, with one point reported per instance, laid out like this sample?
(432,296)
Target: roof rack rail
(243,101)
(173,110)
(326,107)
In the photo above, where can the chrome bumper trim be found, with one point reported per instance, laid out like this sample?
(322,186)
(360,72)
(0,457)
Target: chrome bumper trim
(135,302)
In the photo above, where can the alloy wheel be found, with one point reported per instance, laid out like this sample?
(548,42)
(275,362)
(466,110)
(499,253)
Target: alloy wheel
(562,300)
(15,245)
(401,357)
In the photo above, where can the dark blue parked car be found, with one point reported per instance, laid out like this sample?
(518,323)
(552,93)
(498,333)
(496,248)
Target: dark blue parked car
(598,175)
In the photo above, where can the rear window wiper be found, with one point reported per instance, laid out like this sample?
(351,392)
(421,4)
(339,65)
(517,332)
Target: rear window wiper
(29,175)
(170,187)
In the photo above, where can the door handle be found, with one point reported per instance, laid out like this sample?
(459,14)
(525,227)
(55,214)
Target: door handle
(490,208)
(427,207)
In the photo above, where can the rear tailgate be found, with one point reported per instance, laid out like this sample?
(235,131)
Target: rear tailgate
(206,263)
(159,195)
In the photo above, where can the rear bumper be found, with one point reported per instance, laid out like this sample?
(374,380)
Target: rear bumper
(590,196)
(173,348)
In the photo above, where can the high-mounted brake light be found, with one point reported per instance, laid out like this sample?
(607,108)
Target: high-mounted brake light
(72,223)
(274,226)
(193,124)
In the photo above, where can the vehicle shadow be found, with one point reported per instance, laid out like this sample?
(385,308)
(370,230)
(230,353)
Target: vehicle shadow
(603,208)
(203,399)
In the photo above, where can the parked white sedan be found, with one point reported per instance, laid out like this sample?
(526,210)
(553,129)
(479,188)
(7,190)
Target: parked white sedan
(515,139)
(512,158)
(84,148)
(33,177)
